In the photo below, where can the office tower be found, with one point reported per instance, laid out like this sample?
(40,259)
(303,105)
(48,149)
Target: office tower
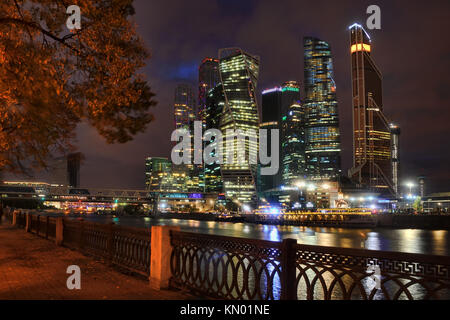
(73,169)
(293,143)
(372,160)
(271,114)
(323,147)
(66,170)
(421,181)
(184,113)
(282,110)
(162,176)
(155,170)
(215,102)
(238,74)
(184,106)
(395,156)
(208,78)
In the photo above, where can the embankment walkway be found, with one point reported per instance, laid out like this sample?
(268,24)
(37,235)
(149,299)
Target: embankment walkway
(33,268)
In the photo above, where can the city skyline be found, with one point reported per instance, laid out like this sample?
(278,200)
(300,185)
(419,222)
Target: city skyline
(430,156)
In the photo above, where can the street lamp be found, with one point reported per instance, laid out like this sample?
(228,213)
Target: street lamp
(410,185)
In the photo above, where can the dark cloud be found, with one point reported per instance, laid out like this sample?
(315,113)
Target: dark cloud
(411,50)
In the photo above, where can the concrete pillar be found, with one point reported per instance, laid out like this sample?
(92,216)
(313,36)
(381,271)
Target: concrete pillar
(27,222)
(160,257)
(59,231)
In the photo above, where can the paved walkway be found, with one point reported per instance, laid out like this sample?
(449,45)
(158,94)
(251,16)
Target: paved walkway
(35,268)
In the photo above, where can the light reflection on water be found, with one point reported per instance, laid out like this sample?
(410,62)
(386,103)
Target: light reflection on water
(401,240)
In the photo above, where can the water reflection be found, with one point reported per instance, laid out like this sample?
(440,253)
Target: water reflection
(402,240)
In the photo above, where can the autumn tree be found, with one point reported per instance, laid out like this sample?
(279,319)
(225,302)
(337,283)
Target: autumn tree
(52,78)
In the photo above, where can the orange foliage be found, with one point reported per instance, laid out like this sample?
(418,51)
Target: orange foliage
(51,79)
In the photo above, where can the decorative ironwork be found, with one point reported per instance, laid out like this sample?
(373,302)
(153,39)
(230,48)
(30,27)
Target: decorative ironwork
(225,267)
(238,268)
(128,248)
(327,273)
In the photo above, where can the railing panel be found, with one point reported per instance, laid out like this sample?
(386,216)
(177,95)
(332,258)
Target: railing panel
(238,268)
(226,267)
(131,249)
(128,248)
(339,273)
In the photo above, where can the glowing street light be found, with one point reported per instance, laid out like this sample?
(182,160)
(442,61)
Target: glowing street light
(410,185)
(300,184)
(325,186)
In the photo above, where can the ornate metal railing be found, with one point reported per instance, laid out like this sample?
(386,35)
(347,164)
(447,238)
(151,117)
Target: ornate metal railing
(128,248)
(335,273)
(225,267)
(125,247)
(43,226)
(237,268)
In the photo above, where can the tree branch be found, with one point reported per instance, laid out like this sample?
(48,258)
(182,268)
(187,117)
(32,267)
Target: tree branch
(39,28)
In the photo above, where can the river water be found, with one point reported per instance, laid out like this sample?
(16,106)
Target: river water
(436,242)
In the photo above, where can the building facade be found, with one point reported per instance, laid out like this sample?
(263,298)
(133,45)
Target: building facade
(208,78)
(184,106)
(282,110)
(372,153)
(323,146)
(239,74)
(215,102)
(395,154)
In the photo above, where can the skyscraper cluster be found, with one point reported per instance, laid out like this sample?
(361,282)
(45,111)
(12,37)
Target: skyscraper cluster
(310,143)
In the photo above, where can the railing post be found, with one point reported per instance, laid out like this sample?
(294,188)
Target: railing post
(110,242)
(47,225)
(59,235)
(14,219)
(27,222)
(161,251)
(38,224)
(81,235)
(288,270)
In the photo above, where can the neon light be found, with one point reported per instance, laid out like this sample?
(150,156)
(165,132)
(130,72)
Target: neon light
(276,89)
(357,25)
(291,89)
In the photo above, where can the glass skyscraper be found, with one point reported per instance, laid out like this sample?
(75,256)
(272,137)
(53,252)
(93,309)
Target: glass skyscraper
(184,106)
(372,154)
(208,78)
(282,110)
(323,147)
(238,74)
(215,102)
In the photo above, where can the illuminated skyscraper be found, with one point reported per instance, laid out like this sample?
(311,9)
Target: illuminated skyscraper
(282,110)
(208,78)
(293,165)
(395,154)
(215,102)
(184,112)
(323,147)
(372,154)
(238,74)
(184,106)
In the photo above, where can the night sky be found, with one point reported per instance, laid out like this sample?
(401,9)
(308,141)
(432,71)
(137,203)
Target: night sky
(411,50)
